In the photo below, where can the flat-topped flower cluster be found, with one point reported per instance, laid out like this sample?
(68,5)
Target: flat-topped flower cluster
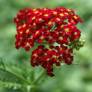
(55,32)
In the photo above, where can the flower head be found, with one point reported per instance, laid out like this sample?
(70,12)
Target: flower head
(55,32)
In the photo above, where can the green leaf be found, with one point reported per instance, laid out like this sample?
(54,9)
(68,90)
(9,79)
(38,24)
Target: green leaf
(10,85)
(13,75)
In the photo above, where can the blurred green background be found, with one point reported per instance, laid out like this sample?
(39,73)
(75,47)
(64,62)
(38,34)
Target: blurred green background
(72,78)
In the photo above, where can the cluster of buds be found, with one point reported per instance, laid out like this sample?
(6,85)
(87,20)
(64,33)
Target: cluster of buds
(55,32)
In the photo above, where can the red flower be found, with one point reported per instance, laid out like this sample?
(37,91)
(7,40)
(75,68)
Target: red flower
(53,29)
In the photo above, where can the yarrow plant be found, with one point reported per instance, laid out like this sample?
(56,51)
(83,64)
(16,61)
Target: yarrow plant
(55,32)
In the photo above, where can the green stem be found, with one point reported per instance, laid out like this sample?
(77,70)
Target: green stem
(28,88)
(39,78)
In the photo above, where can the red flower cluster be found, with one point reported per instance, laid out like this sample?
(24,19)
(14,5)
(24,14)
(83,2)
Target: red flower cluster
(53,29)
(54,55)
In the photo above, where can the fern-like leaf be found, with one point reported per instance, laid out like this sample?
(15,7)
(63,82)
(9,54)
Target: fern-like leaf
(10,78)
(10,85)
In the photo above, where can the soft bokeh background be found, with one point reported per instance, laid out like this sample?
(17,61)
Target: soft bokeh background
(73,78)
